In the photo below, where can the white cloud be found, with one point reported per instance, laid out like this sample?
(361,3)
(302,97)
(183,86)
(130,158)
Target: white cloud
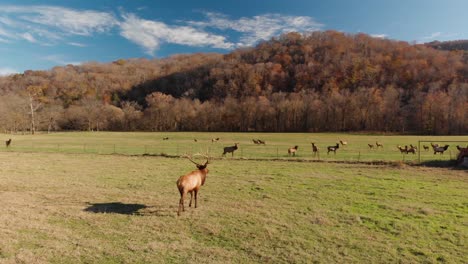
(59,59)
(27,36)
(76,44)
(48,24)
(382,36)
(150,34)
(433,35)
(67,20)
(7,71)
(262,27)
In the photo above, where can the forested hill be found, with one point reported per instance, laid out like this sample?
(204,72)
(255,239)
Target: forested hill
(323,81)
(449,45)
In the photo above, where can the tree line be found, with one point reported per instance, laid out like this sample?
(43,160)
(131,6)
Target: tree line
(320,81)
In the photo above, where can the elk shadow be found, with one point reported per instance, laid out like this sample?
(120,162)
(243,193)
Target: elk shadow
(115,208)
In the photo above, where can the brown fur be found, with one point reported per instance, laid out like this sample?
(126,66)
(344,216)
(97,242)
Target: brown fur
(191,183)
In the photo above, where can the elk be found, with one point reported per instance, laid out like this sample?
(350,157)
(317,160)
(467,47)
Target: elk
(230,149)
(166,138)
(343,143)
(371,146)
(195,140)
(412,149)
(411,145)
(426,148)
(255,141)
(293,150)
(333,148)
(214,140)
(261,142)
(8,142)
(378,144)
(434,145)
(315,149)
(191,183)
(402,150)
(440,150)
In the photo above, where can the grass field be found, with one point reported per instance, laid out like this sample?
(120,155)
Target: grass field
(276,147)
(70,208)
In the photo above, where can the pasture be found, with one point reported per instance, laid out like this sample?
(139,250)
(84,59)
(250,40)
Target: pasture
(70,205)
(276,147)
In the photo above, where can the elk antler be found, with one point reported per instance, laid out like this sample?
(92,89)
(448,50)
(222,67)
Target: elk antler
(189,157)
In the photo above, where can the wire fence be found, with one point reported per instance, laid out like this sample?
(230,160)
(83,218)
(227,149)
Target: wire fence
(244,151)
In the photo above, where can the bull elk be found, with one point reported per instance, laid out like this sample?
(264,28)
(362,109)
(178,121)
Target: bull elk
(230,149)
(191,183)
(8,142)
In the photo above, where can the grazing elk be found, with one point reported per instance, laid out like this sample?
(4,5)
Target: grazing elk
(214,140)
(440,150)
(255,141)
(403,150)
(378,144)
(426,148)
(343,143)
(195,140)
(8,142)
(166,138)
(434,145)
(315,149)
(412,149)
(191,183)
(371,146)
(411,146)
(293,150)
(230,149)
(261,142)
(333,148)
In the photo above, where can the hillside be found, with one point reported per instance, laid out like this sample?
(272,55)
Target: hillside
(449,45)
(324,81)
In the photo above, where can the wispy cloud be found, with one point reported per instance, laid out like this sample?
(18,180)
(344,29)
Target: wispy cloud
(150,34)
(433,36)
(7,71)
(261,27)
(42,24)
(76,44)
(50,25)
(59,59)
(382,36)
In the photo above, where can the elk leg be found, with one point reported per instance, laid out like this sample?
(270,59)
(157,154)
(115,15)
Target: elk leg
(181,204)
(191,197)
(196,193)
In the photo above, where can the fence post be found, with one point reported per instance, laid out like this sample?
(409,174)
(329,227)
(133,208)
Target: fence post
(419,151)
(177,154)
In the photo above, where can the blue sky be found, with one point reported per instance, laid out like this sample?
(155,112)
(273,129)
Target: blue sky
(39,35)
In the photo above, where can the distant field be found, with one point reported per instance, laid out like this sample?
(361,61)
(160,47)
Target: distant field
(276,144)
(71,208)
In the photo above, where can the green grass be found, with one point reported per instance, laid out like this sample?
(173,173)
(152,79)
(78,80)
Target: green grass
(70,208)
(277,144)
